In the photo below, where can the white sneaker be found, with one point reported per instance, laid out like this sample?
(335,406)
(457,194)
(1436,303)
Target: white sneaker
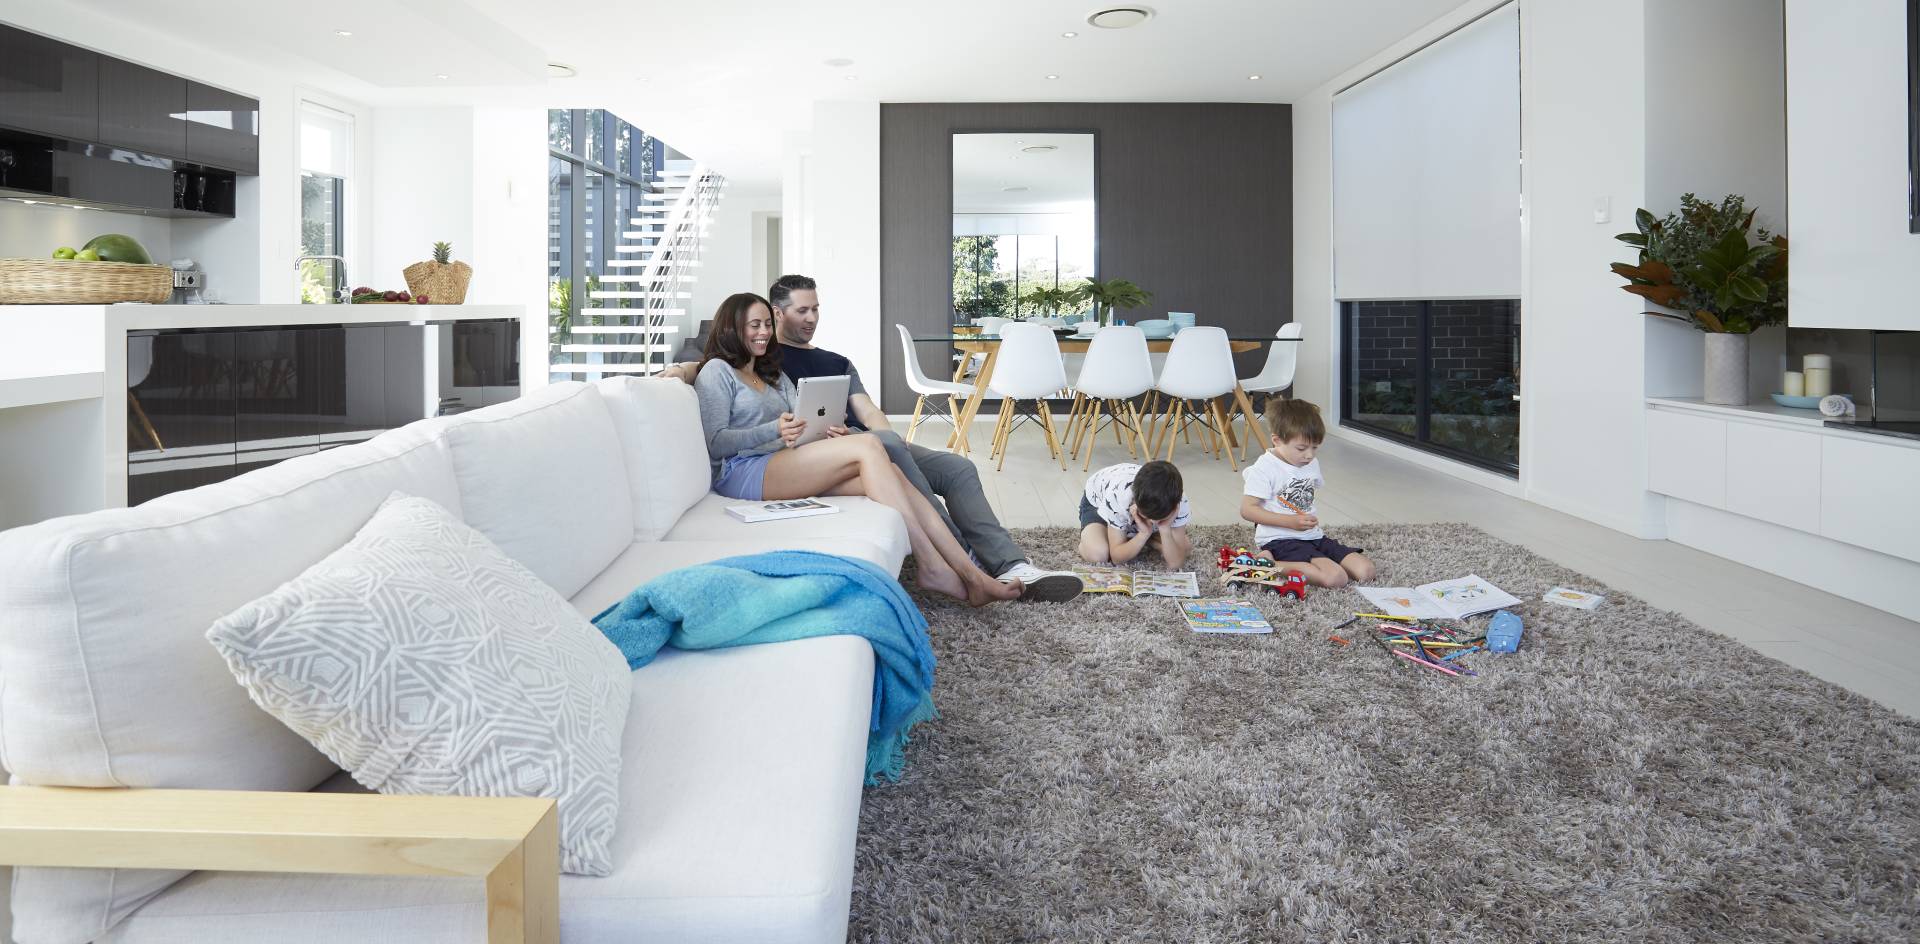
(1045,586)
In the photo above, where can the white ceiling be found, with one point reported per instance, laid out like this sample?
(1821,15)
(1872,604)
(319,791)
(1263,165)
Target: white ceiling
(725,80)
(1058,181)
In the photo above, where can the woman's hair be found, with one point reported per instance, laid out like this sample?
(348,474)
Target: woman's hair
(1289,418)
(727,340)
(1157,489)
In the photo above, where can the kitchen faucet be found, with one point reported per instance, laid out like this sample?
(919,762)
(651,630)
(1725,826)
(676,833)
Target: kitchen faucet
(339,294)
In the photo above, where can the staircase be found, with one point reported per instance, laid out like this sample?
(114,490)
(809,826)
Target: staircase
(637,319)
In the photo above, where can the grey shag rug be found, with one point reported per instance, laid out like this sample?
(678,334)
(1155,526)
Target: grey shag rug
(1099,773)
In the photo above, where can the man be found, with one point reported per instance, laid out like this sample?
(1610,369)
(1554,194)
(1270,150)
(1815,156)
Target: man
(950,482)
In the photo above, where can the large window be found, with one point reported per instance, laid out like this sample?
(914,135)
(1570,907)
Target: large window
(598,168)
(997,275)
(326,164)
(1426,222)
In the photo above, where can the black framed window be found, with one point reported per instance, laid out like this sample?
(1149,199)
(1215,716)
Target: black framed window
(1440,375)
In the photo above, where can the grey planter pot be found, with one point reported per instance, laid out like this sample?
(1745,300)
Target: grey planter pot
(1726,369)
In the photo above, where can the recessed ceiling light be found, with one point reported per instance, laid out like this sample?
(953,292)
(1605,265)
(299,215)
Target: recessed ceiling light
(1069,34)
(853,78)
(560,70)
(1052,76)
(1013,190)
(343,32)
(439,75)
(1254,78)
(1119,17)
(839,63)
(1040,148)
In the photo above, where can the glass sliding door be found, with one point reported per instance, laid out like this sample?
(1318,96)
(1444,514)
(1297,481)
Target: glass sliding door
(1443,375)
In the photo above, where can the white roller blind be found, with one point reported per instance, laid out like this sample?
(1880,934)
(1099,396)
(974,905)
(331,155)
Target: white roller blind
(1426,170)
(326,141)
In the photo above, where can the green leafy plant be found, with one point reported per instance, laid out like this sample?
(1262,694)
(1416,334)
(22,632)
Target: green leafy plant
(1703,262)
(1109,296)
(1051,300)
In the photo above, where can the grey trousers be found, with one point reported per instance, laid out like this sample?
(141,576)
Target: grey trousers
(945,476)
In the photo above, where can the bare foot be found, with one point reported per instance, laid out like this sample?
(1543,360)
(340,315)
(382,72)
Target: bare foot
(943,581)
(989,590)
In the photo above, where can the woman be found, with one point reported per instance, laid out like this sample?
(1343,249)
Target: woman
(746,410)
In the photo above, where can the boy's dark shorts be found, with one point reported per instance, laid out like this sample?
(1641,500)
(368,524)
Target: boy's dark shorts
(1297,551)
(1089,514)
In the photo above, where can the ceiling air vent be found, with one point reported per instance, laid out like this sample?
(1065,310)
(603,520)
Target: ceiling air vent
(1119,17)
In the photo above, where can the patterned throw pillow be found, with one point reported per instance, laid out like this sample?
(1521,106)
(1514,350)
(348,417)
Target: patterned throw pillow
(424,661)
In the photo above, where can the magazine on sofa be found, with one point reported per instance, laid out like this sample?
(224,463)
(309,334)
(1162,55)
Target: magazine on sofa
(781,510)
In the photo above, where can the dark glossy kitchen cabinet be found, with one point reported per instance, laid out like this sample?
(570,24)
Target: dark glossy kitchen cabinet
(142,109)
(209,405)
(47,86)
(223,129)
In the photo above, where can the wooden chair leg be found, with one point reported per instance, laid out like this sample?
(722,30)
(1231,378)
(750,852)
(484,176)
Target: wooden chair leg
(1253,422)
(1139,435)
(1093,440)
(1046,425)
(998,439)
(1007,408)
(914,423)
(146,425)
(1089,434)
(1174,429)
(1226,445)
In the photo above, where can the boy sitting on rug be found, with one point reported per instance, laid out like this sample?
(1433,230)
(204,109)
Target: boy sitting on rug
(1279,497)
(1130,508)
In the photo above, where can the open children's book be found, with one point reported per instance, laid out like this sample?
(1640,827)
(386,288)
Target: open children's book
(1138,583)
(1224,616)
(1458,598)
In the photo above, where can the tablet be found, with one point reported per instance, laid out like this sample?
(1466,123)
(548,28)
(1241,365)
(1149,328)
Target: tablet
(822,403)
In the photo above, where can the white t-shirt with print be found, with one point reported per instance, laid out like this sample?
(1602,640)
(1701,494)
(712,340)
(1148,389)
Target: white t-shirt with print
(1110,492)
(1276,484)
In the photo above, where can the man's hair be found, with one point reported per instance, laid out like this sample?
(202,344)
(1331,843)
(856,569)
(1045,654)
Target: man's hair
(784,286)
(1289,418)
(727,341)
(1157,489)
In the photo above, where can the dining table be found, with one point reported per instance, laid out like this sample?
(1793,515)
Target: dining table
(970,343)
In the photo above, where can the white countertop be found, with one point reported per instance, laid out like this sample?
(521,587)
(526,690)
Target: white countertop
(50,388)
(1773,414)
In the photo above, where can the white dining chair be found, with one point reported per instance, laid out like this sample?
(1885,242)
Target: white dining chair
(924,386)
(1283,356)
(1199,372)
(1027,367)
(1116,371)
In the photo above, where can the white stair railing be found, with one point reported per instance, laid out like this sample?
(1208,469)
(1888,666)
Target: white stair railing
(661,249)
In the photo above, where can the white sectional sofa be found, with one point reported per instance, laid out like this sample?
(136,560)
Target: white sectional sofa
(742,768)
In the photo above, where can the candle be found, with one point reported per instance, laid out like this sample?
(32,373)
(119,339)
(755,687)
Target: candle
(1819,380)
(1819,361)
(1795,385)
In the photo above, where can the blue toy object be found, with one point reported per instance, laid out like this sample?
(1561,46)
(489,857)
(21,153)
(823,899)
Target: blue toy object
(1503,634)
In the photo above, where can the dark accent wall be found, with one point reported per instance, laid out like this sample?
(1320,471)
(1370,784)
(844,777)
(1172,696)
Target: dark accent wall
(1194,203)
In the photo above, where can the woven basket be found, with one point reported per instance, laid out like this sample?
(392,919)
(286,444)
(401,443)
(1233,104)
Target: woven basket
(442,283)
(72,282)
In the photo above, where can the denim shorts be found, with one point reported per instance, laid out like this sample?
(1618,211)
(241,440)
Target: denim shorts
(742,476)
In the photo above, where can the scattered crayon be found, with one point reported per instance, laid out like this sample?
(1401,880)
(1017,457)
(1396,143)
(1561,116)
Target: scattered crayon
(1431,665)
(1332,638)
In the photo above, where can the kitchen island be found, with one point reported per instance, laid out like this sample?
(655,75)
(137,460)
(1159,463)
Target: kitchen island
(107,405)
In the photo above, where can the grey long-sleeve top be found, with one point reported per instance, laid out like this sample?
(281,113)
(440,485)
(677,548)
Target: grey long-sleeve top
(737,419)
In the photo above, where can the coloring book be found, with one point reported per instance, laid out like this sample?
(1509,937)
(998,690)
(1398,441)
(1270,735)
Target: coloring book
(1138,583)
(1458,598)
(1224,616)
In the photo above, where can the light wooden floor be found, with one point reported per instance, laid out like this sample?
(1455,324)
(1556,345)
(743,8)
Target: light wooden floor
(1858,647)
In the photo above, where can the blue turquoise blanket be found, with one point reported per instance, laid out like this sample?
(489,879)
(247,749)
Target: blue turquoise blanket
(783,595)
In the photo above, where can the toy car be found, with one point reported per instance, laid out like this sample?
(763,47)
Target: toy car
(1294,585)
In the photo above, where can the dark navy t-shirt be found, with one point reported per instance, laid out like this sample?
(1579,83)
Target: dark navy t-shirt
(799,362)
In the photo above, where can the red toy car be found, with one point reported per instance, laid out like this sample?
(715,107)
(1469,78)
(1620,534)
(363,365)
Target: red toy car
(1293,585)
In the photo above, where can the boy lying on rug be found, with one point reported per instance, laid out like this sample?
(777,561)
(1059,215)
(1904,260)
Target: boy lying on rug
(1279,500)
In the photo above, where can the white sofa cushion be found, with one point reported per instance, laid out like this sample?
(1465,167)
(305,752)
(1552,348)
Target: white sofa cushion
(424,661)
(106,678)
(859,518)
(543,478)
(740,805)
(659,424)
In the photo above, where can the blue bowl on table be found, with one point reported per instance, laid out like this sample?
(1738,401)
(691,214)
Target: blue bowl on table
(1156,327)
(1798,403)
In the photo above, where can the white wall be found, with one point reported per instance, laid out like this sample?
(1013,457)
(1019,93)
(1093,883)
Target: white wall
(423,190)
(248,260)
(840,244)
(1855,265)
(727,253)
(34,232)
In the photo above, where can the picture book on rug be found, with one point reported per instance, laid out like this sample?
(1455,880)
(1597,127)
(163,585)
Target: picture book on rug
(781,510)
(1458,598)
(1224,616)
(1138,583)
(1578,599)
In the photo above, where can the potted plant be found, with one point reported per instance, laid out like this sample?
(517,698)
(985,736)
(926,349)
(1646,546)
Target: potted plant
(1703,264)
(1110,295)
(1049,301)
(440,278)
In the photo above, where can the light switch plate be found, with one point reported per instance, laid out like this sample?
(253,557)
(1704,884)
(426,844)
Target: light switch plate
(1602,209)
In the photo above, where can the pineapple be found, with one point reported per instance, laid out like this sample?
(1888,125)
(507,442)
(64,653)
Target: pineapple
(441,280)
